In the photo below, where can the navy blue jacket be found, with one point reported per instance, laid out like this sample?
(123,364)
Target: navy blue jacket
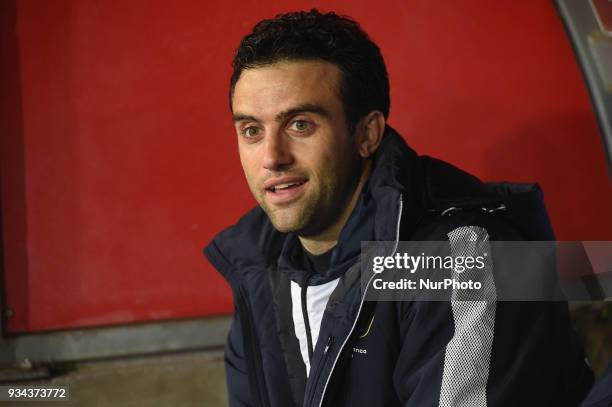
(401,353)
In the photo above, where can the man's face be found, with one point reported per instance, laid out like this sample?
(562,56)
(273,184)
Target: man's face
(301,164)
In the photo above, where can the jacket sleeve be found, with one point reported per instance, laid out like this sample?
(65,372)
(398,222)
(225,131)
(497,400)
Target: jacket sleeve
(486,352)
(239,393)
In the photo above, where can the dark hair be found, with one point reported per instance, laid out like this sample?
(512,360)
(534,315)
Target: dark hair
(336,39)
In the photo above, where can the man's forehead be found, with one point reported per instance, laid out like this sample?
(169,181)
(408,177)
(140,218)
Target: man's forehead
(284,85)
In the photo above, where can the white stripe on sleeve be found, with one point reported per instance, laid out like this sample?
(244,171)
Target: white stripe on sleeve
(468,353)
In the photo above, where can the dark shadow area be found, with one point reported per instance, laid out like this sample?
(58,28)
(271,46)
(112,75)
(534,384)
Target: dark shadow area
(593,322)
(13,225)
(39,164)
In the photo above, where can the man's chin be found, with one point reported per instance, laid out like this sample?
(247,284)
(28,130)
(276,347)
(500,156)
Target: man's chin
(285,222)
(286,226)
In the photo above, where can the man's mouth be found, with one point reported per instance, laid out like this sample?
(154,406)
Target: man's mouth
(284,186)
(284,190)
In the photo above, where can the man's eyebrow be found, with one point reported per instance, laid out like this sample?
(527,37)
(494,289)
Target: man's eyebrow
(305,108)
(240,117)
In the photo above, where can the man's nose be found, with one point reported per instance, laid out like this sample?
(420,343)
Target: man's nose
(277,152)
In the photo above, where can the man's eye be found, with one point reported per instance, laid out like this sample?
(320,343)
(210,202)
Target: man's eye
(251,132)
(300,125)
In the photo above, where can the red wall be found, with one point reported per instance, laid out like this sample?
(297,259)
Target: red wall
(118,158)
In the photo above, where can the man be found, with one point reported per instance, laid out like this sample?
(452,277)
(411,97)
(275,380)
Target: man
(309,97)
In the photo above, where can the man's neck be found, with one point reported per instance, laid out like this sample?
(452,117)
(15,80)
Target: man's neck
(328,238)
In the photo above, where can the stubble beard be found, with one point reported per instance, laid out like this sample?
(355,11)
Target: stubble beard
(311,215)
(294,217)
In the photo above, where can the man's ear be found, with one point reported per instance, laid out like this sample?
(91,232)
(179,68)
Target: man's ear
(370,132)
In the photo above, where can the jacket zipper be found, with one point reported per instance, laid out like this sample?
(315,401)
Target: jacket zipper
(330,341)
(328,345)
(306,319)
(397,235)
